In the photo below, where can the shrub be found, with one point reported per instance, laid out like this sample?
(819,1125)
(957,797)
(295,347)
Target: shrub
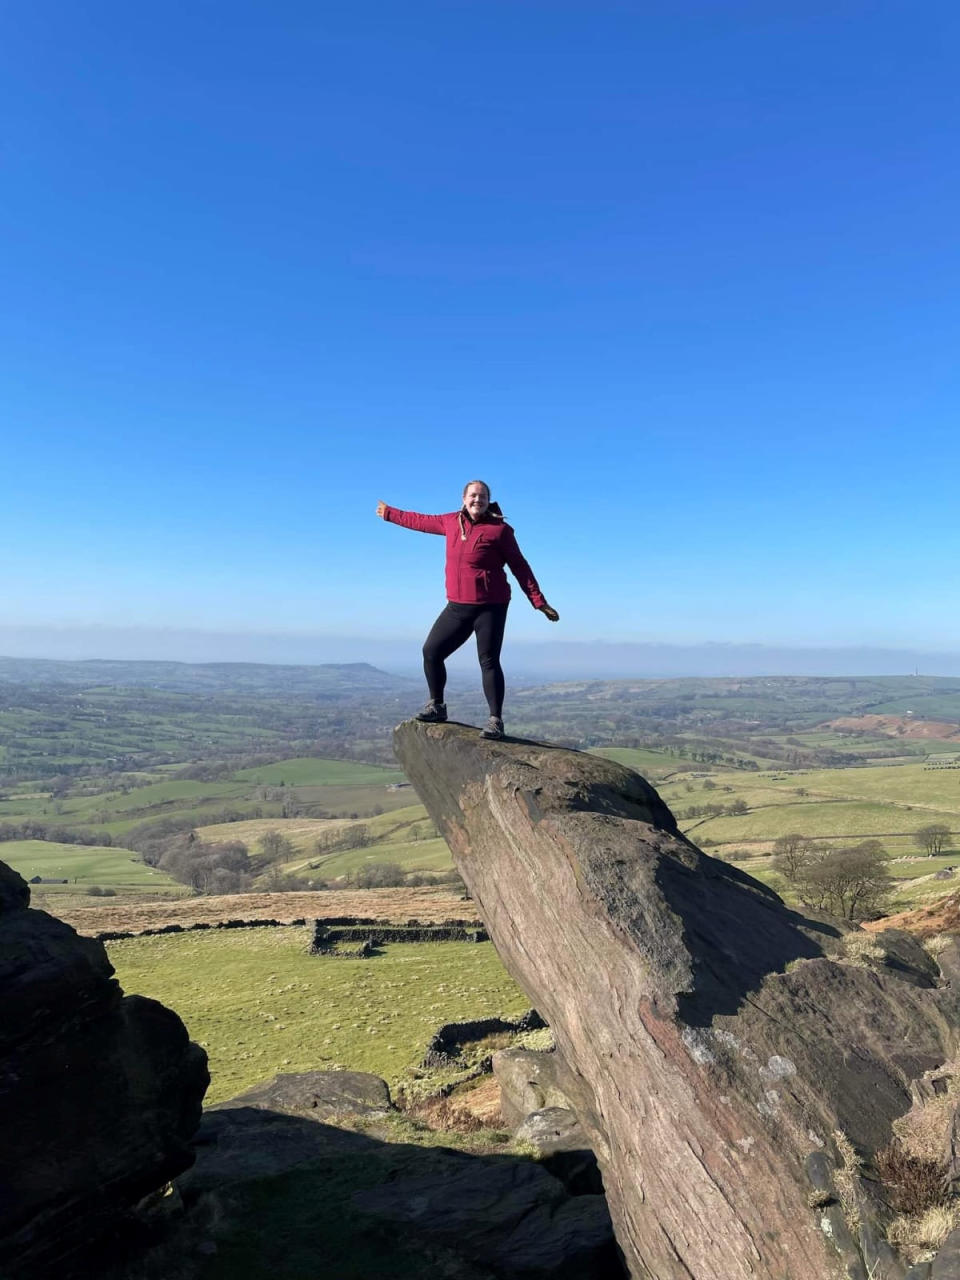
(914,1184)
(379,875)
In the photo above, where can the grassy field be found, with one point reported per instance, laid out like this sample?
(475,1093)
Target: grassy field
(307,771)
(260,1003)
(302,833)
(86,865)
(419,855)
(652,764)
(330,787)
(404,836)
(841,804)
(836,820)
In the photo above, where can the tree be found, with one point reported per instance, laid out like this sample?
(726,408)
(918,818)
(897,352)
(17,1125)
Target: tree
(852,883)
(379,875)
(276,847)
(932,838)
(790,852)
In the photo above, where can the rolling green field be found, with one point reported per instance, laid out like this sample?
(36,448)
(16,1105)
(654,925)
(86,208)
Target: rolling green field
(309,784)
(403,836)
(308,771)
(827,820)
(652,764)
(259,1003)
(837,807)
(85,865)
(421,855)
(840,803)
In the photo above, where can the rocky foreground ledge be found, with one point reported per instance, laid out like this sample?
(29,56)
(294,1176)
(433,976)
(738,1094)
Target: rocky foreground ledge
(100,1093)
(725,1052)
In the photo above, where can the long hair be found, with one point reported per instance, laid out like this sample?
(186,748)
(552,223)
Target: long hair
(493,508)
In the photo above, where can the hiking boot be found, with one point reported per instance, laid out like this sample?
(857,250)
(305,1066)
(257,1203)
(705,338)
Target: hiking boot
(493,728)
(433,713)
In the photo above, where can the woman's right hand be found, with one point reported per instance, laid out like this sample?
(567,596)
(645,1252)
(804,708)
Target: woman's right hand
(382,510)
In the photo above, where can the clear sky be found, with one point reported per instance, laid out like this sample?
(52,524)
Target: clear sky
(679,279)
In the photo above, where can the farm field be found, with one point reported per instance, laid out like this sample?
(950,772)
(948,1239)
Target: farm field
(259,1003)
(878,800)
(84,866)
(825,819)
(303,832)
(418,855)
(403,836)
(310,771)
(652,764)
(835,806)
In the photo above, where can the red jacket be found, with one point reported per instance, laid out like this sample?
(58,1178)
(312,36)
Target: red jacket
(476,554)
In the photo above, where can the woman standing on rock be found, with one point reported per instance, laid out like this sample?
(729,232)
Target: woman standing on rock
(479,544)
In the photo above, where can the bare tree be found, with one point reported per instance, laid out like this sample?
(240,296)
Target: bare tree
(274,846)
(932,838)
(790,852)
(852,883)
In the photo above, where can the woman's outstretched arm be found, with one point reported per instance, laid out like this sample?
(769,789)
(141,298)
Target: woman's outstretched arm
(524,575)
(410,519)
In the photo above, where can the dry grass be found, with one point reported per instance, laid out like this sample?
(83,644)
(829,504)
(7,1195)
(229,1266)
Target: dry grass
(920,1236)
(844,1178)
(427,903)
(941,916)
(466,1111)
(859,948)
(913,1169)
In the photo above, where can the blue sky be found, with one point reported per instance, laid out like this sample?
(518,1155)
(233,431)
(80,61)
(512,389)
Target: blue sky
(679,279)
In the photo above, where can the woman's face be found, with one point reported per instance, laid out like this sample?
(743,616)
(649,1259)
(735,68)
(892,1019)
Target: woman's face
(476,500)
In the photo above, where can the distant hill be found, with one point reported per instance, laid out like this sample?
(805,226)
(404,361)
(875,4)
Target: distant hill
(749,701)
(340,678)
(908,726)
(61,717)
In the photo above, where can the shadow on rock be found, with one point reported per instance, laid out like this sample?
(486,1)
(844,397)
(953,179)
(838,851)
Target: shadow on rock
(275,1196)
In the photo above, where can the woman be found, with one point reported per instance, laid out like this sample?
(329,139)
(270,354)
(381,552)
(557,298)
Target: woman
(479,544)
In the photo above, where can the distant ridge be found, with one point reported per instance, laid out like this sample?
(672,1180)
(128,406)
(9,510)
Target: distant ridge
(339,677)
(577,659)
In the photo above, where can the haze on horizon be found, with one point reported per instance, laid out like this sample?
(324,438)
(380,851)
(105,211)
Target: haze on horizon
(679,281)
(526,663)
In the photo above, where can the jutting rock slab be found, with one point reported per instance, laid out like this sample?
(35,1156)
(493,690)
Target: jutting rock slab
(100,1093)
(717,1041)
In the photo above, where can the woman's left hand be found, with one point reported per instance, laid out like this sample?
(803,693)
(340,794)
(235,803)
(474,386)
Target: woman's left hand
(549,612)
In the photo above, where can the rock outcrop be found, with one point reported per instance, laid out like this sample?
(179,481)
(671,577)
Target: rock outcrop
(363,1203)
(319,1095)
(726,1053)
(100,1093)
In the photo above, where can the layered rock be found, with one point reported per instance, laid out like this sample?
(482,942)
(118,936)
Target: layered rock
(719,1042)
(100,1093)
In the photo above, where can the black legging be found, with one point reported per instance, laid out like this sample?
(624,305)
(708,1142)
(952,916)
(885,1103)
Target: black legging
(452,629)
